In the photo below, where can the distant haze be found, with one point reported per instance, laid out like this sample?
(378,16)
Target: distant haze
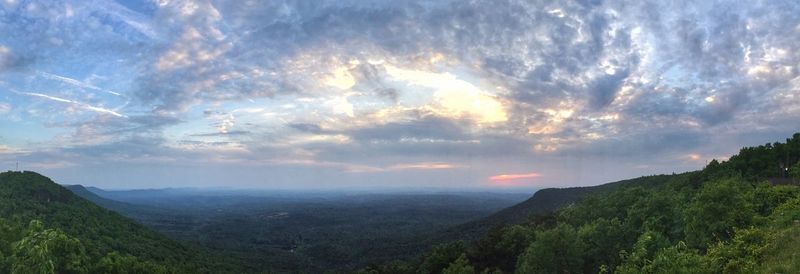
(390,94)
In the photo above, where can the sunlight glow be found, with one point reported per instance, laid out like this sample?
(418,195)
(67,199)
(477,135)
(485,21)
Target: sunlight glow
(454,97)
(507,177)
(513,180)
(340,78)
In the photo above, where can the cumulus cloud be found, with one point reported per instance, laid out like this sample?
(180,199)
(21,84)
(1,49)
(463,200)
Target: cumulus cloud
(354,85)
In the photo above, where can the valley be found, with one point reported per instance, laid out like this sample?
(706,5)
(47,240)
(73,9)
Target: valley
(305,232)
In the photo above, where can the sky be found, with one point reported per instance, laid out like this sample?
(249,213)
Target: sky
(390,94)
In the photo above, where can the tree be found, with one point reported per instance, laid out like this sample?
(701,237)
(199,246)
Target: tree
(794,171)
(558,250)
(441,256)
(500,248)
(643,251)
(676,259)
(741,255)
(459,266)
(47,251)
(719,208)
(9,234)
(113,262)
(601,239)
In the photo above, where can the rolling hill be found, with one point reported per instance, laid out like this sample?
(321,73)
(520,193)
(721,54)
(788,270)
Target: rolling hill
(544,202)
(736,216)
(309,232)
(104,238)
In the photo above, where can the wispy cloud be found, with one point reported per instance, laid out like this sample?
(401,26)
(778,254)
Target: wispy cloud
(421,166)
(4,108)
(76,83)
(344,90)
(75,103)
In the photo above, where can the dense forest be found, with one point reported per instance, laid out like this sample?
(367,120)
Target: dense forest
(302,232)
(45,228)
(735,216)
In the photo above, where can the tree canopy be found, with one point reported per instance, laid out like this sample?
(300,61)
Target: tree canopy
(726,218)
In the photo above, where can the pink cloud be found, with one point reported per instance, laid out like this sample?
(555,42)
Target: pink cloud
(521,179)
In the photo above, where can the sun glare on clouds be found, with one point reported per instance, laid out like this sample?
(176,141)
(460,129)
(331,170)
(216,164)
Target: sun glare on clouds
(452,96)
(341,78)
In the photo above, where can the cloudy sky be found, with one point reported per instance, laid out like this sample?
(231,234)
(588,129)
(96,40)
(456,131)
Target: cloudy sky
(396,94)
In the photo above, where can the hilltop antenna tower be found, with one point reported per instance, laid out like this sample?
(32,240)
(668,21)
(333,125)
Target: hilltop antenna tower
(17,166)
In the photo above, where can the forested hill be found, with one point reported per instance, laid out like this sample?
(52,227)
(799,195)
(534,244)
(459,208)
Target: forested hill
(45,228)
(544,202)
(82,192)
(771,162)
(134,211)
(729,217)
(765,162)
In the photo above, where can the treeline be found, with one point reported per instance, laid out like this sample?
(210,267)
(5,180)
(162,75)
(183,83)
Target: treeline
(725,218)
(36,249)
(775,160)
(45,228)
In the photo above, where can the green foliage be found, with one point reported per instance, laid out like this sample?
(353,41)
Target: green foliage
(459,266)
(741,255)
(600,239)
(609,206)
(794,171)
(645,248)
(766,161)
(719,208)
(787,213)
(558,250)
(394,267)
(125,264)
(658,211)
(67,234)
(766,197)
(675,259)
(726,218)
(441,256)
(47,251)
(501,247)
(782,253)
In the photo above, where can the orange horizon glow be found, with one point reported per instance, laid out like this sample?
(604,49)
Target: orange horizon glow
(521,179)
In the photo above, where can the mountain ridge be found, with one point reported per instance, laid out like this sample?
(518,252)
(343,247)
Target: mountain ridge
(543,202)
(28,197)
